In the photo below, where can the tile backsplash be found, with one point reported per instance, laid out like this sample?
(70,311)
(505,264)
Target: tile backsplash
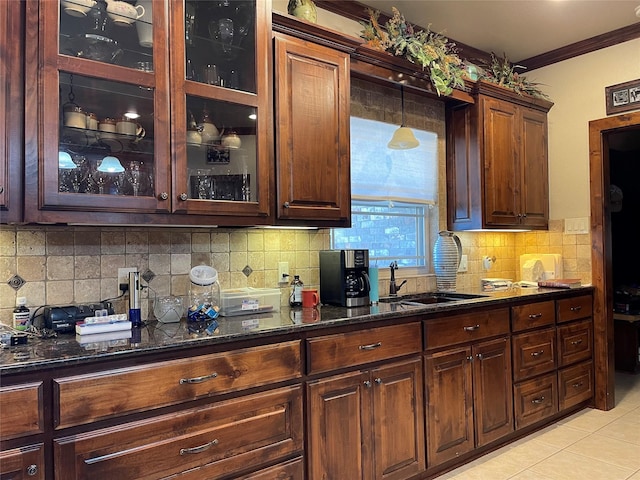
(63,265)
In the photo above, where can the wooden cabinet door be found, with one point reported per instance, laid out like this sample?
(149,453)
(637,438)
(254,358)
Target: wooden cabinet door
(449,405)
(534,171)
(312,90)
(11,111)
(338,417)
(23,463)
(492,390)
(501,163)
(398,420)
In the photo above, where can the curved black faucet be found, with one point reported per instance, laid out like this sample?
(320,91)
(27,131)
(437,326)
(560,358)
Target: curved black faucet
(393,288)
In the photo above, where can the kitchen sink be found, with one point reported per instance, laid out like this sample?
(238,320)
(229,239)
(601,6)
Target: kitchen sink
(431,298)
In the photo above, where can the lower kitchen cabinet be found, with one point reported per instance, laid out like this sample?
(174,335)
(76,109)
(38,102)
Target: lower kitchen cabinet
(535,399)
(469,402)
(367,424)
(23,463)
(207,442)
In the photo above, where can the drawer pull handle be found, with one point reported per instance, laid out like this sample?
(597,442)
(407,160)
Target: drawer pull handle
(533,316)
(471,329)
(576,342)
(371,346)
(537,354)
(576,309)
(198,379)
(200,449)
(577,385)
(538,400)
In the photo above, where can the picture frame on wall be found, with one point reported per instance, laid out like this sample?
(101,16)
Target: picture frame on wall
(623,97)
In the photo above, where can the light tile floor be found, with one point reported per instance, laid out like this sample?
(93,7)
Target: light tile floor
(589,445)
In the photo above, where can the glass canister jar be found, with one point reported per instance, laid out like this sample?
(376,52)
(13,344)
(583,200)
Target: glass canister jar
(204,297)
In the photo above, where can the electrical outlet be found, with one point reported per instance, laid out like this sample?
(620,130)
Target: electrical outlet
(283,269)
(464,264)
(123,275)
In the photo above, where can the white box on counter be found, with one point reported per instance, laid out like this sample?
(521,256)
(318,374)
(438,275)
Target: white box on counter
(244,301)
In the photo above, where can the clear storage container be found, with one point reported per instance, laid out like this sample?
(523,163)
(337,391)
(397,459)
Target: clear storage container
(204,296)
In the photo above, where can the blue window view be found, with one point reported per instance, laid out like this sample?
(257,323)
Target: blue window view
(392,195)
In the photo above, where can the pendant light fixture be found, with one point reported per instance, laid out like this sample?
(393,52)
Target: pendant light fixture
(110,164)
(403,138)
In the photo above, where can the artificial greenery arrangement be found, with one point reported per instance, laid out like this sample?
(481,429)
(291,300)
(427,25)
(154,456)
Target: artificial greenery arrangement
(502,72)
(430,50)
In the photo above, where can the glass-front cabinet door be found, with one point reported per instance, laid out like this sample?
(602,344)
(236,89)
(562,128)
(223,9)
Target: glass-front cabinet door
(104,100)
(152,107)
(221,106)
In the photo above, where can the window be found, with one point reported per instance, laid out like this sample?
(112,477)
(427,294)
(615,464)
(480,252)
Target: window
(393,195)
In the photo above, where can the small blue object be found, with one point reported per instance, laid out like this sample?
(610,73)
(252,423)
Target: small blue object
(374,296)
(134,317)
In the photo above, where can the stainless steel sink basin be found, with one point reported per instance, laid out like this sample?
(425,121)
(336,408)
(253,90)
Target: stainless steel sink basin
(431,298)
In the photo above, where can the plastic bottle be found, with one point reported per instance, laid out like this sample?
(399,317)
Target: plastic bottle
(21,314)
(295,300)
(204,297)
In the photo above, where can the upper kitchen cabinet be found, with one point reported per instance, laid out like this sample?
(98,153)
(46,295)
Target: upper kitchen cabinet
(497,174)
(11,112)
(312,95)
(153,111)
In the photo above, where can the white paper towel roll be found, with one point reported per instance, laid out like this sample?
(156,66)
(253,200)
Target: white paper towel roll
(532,271)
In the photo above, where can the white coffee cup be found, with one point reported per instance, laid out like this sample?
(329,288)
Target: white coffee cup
(144,25)
(126,126)
(77,8)
(123,13)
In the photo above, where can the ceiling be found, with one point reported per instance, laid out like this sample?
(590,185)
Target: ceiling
(521,29)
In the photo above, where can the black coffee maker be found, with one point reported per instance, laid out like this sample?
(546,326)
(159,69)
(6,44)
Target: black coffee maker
(344,277)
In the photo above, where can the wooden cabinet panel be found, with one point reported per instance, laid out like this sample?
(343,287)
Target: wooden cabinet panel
(25,463)
(574,308)
(532,315)
(535,399)
(21,410)
(398,421)
(575,384)
(204,442)
(466,327)
(332,352)
(534,172)
(534,353)
(492,391)
(337,416)
(87,398)
(449,405)
(292,470)
(575,342)
(312,137)
(367,425)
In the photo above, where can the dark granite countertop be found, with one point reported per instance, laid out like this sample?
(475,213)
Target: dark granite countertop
(69,349)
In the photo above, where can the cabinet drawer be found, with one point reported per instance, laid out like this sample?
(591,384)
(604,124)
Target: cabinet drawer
(535,399)
(89,397)
(212,442)
(534,353)
(466,328)
(292,470)
(569,309)
(575,342)
(576,384)
(23,463)
(524,317)
(21,410)
(343,350)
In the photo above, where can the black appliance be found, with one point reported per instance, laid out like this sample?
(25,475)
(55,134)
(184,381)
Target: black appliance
(344,277)
(63,319)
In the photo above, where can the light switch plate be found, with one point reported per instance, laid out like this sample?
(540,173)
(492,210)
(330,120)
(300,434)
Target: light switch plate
(464,264)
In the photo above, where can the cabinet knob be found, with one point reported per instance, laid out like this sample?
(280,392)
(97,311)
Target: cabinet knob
(32,469)
(367,383)
(163,196)
(378,381)
(286,205)
(183,196)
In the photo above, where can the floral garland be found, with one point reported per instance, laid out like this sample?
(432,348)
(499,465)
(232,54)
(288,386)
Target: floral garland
(502,72)
(430,50)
